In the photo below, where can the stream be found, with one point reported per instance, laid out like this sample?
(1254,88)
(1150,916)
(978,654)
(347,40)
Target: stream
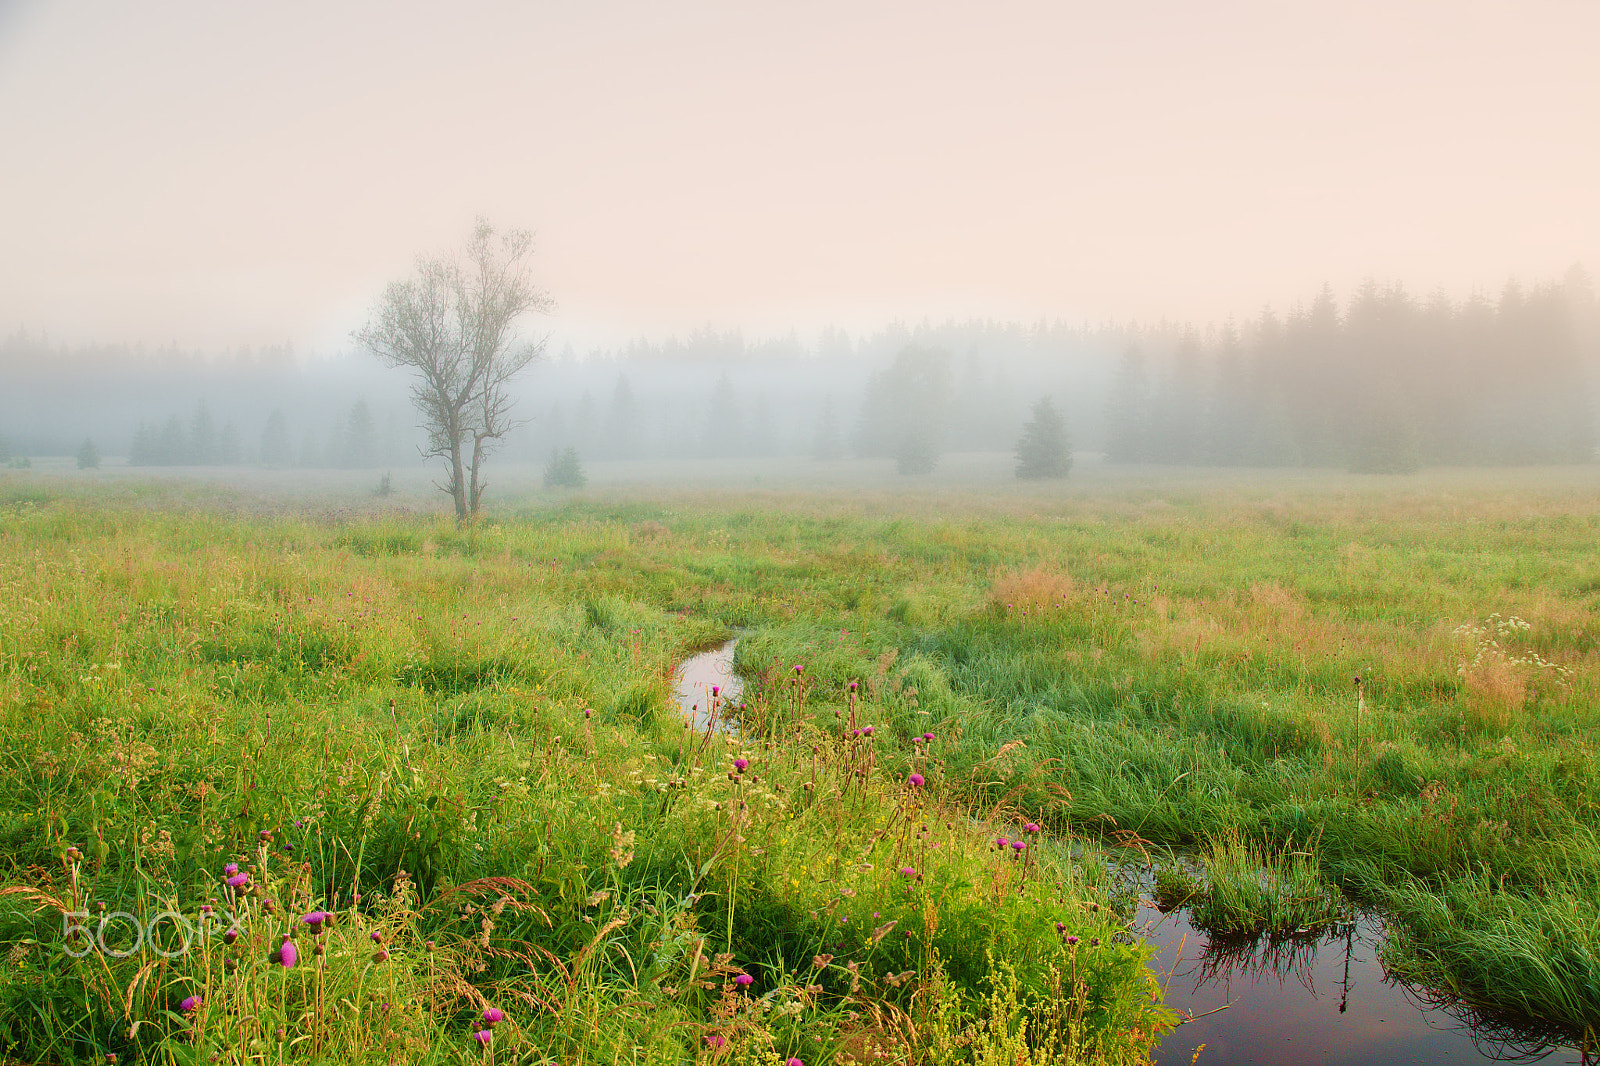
(1312,1000)
(695,678)
(1302,1001)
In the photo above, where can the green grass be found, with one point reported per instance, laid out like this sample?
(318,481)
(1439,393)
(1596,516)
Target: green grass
(471,732)
(1135,665)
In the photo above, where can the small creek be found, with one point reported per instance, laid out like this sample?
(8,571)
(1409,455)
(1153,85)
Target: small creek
(697,675)
(1290,1002)
(1311,1000)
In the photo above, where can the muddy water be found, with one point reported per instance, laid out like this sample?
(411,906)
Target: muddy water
(694,679)
(1324,1001)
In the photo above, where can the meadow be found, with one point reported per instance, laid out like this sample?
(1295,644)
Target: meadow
(457,753)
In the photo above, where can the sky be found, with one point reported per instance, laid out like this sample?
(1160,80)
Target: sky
(218,174)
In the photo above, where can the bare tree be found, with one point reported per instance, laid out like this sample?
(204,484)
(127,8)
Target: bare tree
(455,322)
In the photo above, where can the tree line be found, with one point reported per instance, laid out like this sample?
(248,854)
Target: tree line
(352,445)
(1386,384)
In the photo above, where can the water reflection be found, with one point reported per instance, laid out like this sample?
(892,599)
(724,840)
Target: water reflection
(706,688)
(1319,998)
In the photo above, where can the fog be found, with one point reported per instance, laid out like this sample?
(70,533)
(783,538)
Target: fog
(813,233)
(1380,381)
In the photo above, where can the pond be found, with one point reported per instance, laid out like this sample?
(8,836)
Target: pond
(1314,1000)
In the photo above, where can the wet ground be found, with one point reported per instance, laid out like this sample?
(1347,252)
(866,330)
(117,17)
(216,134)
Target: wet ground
(1308,1001)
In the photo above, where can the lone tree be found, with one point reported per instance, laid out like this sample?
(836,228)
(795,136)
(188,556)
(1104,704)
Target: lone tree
(1044,451)
(454,322)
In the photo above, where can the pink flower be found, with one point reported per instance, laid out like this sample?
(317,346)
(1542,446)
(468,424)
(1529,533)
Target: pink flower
(189,1004)
(491,1015)
(793,1062)
(230,869)
(1031,827)
(909,871)
(741,765)
(483,1036)
(744,979)
(715,1040)
(288,954)
(915,780)
(238,880)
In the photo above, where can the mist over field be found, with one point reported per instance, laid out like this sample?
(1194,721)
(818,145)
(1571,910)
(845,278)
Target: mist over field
(1382,382)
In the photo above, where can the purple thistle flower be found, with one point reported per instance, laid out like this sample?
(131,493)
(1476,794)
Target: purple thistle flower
(798,668)
(492,1016)
(908,871)
(792,1061)
(1031,827)
(916,780)
(741,765)
(238,880)
(1003,842)
(716,690)
(189,1004)
(928,737)
(916,740)
(315,920)
(867,730)
(288,954)
(1061,927)
(483,1036)
(744,979)
(1071,940)
(1018,845)
(715,1040)
(230,936)
(230,869)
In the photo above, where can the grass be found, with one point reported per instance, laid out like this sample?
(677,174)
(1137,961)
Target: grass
(1139,664)
(459,746)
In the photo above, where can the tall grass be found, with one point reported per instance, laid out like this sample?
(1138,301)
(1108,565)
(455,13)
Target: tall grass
(460,748)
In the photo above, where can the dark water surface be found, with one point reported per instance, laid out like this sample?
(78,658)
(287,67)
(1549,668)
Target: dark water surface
(1317,1000)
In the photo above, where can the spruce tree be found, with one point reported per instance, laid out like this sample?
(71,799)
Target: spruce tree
(564,470)
(1044,449)
(88,455)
